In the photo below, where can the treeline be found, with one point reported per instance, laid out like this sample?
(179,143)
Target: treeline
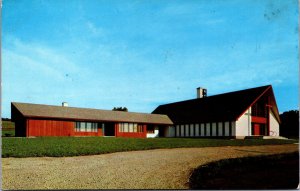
(120,109)
(289,126)
(6,119)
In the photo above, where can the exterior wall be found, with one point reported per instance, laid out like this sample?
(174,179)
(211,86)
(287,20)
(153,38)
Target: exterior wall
(170,131)
(20,122)
(99,133)
(20,127)
(177,131)
(214,129)
(243,124)
(153,135)
(131,134)
(274,125)
(40,127)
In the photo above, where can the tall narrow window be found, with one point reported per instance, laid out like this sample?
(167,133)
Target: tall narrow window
(125,127)
(130,127)
(88,127)
(135,128)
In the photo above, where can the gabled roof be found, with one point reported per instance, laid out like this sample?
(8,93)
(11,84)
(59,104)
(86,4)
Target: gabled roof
(223,107)
(73,113)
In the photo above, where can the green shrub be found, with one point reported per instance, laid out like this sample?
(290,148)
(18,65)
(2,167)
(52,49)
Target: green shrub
(279,171)
(75,146)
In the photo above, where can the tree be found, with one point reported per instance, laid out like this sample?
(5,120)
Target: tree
(120,109)
(289,126)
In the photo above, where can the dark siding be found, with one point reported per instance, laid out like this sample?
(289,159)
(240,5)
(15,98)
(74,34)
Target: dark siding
(20,122)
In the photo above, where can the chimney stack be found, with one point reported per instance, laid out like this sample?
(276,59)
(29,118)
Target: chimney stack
(201,92)
(65,104)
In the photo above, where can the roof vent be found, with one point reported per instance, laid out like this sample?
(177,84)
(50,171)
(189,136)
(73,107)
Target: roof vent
(65,104)
(201,92)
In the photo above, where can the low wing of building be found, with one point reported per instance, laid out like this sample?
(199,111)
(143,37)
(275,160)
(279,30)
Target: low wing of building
(49,120)
(235,114)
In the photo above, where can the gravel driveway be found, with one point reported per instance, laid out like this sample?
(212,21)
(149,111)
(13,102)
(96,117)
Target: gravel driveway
(152,169)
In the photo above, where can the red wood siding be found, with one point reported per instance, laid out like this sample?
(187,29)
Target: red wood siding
(39,127)
(99,133)
(255,119)
(256,129)
(131,134)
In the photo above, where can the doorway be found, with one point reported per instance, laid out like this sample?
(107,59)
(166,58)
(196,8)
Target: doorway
(256,129)
(109,129)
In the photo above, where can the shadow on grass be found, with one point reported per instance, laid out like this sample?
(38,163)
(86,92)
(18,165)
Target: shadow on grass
(279,171)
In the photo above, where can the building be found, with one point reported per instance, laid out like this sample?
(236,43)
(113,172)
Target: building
(249,112)
(47,120)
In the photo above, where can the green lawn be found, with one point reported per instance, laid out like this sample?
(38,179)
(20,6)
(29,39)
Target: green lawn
(75,146)
(8,129)
(260,172)
(8,125)
(8,132)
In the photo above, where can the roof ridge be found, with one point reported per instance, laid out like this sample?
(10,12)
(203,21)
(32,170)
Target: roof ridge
(237,91)
(82,108)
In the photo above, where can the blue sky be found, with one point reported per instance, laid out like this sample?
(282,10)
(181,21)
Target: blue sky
(140,54)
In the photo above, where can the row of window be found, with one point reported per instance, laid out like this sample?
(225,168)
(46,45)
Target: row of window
(205,129)
(123,127)
(87,127)
(130,127)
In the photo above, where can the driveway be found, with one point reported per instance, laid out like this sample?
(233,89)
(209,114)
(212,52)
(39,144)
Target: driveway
(152,169)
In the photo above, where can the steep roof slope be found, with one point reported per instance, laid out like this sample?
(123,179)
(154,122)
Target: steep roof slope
(73,113)
(217,108)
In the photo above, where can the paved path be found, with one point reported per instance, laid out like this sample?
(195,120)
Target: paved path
(152,169)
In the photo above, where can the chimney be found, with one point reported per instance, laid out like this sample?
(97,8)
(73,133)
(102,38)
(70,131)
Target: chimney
(201,92)
(64,104)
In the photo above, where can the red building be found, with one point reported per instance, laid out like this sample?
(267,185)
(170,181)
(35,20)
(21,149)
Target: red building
(47,120)
(250,112)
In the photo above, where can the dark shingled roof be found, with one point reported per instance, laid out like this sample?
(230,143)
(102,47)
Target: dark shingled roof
(217,108)
(73,113)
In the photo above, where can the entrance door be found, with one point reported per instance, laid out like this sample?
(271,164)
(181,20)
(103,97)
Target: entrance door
(161,131)
(109,129)
(256,129)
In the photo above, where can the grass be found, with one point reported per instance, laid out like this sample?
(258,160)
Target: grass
(76,146)
(8,129)
(8,132)
(279,171)
(8,125)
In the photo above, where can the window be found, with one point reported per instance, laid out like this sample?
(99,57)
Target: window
(140,128)
(258,109)
(135,127)
(82,126)
(86,127)
(130,127)
(125,127)
(121,127)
